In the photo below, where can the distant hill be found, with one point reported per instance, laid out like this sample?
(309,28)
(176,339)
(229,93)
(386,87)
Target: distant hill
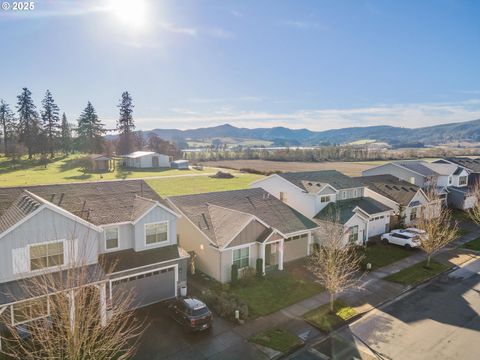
(431,135)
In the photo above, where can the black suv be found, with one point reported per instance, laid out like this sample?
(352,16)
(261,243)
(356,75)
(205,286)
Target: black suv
(191,313)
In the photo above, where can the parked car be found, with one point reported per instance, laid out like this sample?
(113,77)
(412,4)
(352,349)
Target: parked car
(403,238)
(191,313)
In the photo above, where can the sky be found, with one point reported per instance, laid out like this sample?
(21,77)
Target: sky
(251,63)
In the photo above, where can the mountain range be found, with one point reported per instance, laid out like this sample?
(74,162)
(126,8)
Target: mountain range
(468,131)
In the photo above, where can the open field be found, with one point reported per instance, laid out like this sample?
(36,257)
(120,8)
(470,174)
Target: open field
(63,169)
(348,168)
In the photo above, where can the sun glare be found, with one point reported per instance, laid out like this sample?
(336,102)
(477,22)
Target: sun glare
(132,13)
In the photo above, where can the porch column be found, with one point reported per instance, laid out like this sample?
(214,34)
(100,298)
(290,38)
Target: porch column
(309,243)
(262,256)
(103,304)
(71,302)
(280,254)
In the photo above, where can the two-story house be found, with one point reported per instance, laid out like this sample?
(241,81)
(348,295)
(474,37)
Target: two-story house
(120,229)
(322,195)
(449,180)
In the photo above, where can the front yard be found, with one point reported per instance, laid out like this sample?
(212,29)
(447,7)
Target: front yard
(325,320)
(379,255)
(417,273)
(472,245)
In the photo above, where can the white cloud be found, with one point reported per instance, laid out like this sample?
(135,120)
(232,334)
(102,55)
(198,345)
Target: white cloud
(304,25)
(179,29)
(218,33)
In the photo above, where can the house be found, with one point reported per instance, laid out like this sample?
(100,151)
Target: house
(472,165)
(146,159)
(120,230)
(180,164)
(239,227)
(403,197)
(314,194)
(101,163)
(450,180)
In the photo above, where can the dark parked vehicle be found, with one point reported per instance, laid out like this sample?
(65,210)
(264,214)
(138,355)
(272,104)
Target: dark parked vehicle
(191,313)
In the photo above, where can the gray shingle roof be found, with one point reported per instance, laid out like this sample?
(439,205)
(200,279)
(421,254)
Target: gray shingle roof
(391,187)
(418,167)
(344,209)
(97,202)
(256,202)
(21,207)
(312,181)
(468,163)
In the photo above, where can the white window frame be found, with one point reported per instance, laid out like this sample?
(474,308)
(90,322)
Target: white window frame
(105,237)
(325,198)
(459,180)
(156,243)
(240,249)
(283,196)
(45,243)
(351,233)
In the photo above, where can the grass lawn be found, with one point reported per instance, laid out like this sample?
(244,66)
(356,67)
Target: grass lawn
(62,169)
(200,184)
(463,231)
(277,339)
(274,292)
(326,321)
(472,245)
(461,215)
(380,255)
(417,273)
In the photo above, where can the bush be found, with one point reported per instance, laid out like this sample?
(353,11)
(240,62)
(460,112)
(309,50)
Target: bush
(248,275)
(259,267)
(234,274)
(225,304)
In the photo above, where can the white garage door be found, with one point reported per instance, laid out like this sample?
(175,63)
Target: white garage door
(378,225)
(146,288)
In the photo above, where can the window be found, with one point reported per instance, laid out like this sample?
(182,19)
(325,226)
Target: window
(46,255)
(462,180)
(353,233)
(241,257)
(325,199)
(344,194)
(30,310)
(111,238)
(283,196)
(156,233)
(413,214)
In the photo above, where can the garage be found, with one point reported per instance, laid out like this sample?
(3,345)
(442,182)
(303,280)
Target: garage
(147,287)
(378,225)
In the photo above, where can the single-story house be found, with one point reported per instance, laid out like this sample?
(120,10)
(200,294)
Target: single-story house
(146,159)
(239,227)
(102,163)
(180,164)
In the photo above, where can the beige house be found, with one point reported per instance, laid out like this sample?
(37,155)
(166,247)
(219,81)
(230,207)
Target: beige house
(239,227)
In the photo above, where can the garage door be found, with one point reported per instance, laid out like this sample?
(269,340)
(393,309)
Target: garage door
(146,288)
(378,225)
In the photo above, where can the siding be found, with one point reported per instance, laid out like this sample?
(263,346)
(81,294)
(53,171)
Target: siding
(295,249)
(396,171)
(226,260)
(249,234)
(157,214)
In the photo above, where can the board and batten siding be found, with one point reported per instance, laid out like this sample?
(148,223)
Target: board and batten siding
(249,234)
(81,243)
(157,214)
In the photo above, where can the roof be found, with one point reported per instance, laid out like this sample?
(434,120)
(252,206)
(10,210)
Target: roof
(444,169)
(468,163)
(418,167)
(400,191)
(344,209)
(313,181)
(99,203)
(220,215)
(20,208)
(130,259)
(180,162)
(137,154)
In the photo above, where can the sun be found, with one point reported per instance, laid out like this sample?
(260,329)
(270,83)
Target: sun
(132,13)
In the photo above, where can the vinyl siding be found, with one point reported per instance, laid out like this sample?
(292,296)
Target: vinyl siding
(157,214)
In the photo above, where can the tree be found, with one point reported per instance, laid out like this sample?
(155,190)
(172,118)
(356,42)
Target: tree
(65,135)
(474,212)
(51,120)
(7,124)
(90,130)
(125,124)
(28,121)
(155,143)
(437,224)
(335,261)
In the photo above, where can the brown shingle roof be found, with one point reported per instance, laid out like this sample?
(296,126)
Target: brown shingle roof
(23,205)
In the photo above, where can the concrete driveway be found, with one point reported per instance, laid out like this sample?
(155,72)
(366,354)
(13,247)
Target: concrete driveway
(165,339)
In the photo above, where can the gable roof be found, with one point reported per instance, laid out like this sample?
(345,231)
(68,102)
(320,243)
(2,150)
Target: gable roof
(400,191)
(313,181)
(468,163)
(419,167)
(99,203)
(344,209)
(20,208)
(220,213)
(137,154)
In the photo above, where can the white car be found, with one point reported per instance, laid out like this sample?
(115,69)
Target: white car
(403,238)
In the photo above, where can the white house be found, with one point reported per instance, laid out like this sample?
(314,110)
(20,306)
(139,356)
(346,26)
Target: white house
(146,159)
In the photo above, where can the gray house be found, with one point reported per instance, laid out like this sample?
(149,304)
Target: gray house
(121,231)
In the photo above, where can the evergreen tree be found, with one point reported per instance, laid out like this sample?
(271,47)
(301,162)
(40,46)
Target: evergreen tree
(90,130)
(51,120)
(28,121)
(125,124)
(65,135)
(7,125)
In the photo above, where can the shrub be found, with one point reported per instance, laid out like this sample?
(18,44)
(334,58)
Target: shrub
(225,304)
(234,274)
(259,267)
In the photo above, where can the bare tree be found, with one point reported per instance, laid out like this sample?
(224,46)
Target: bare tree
(336,261)
(474,212)
(72,321)
(436,221)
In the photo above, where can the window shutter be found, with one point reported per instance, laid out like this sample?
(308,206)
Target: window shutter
(20,260)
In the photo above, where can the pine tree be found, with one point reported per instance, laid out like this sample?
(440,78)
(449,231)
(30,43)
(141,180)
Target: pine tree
(125,124)
(7,124)
(65,135)
(51,120)
(90,130)
(28,121)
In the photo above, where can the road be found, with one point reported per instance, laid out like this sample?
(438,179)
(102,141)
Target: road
(438,321)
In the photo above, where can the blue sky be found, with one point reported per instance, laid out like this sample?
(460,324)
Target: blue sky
(315,64)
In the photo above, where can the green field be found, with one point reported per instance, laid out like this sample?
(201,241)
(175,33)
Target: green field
(200,184)
(63,169)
